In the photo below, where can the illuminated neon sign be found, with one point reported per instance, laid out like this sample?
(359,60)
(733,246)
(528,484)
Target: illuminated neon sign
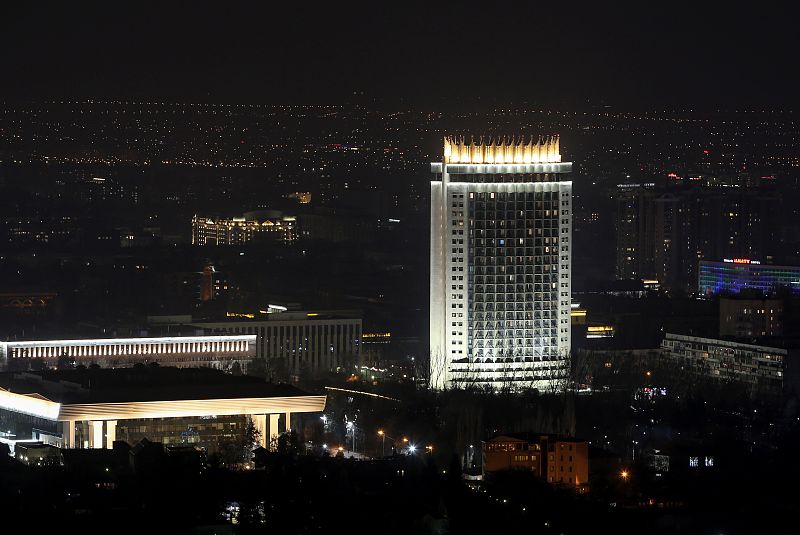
(741,261)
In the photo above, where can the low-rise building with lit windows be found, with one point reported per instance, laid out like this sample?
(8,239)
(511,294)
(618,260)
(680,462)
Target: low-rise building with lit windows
(556,459)
(750,318)
(268,225)
(376,345)
(220,352)
(306,341)
(762,368)
(91,408)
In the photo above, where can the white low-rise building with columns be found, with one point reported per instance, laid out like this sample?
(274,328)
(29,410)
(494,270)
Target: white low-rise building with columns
(217,351)
(93,408)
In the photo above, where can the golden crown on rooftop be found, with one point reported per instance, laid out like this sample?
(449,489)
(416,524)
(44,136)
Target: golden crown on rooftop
(505,150)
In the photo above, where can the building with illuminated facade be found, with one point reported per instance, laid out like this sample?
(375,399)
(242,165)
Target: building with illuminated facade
(305,341)
(92,408)
(736,275)
(219,352)
(267,225)
(500,265)
(560,461)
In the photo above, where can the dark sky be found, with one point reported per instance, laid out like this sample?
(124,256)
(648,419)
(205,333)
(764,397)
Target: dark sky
(493,52)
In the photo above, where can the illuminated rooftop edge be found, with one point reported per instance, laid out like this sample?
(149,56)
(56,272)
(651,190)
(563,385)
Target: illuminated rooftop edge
(503,169)
(118,341)
(190,407)
(36,405)
(504,150)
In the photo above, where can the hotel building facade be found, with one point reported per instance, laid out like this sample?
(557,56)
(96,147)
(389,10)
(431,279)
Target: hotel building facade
(265,224)
(736,275)
(500,262)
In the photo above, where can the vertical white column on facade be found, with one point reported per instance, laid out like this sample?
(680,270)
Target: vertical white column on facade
(69,434)
(288,421)
(111,433)
(260,423)
(273,427)
(96,434)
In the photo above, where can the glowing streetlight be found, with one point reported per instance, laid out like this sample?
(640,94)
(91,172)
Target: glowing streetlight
(383,442)
(624,475)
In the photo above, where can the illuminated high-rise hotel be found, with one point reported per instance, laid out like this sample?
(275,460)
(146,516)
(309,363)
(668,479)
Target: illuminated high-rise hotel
(500,265)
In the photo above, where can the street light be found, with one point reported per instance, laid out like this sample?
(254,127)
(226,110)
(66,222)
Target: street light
(384,436)
(624,475)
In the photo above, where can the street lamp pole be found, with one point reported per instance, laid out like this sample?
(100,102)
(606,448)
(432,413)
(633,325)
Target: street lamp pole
(383,436)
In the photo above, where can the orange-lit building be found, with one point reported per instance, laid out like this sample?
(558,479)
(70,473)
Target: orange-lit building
(213,284)
(557,459)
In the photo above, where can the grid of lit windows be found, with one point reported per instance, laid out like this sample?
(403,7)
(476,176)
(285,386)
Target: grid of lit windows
(500,274)
(514,245)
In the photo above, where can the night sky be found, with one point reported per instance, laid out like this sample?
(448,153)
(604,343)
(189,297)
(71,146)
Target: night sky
(488,53)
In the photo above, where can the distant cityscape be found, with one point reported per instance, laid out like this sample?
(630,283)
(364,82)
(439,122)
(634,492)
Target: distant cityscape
(407,300)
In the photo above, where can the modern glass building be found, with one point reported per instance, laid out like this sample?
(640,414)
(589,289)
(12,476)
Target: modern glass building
(500,265)
(735,275)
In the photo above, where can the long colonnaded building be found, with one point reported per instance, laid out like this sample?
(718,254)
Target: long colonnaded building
(500,284)
(219,352)
(264,224)
(317,341)
(92,408)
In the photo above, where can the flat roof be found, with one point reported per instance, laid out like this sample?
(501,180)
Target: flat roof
(529,436)
(147,392)
(146,383)
(141,340)
(750,344)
